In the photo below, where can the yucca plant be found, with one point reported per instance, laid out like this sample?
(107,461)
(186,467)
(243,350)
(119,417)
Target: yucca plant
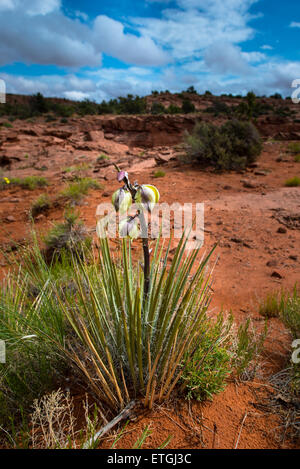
(131,329)
(136,324)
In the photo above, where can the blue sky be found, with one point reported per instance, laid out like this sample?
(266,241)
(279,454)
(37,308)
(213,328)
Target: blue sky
(104,49)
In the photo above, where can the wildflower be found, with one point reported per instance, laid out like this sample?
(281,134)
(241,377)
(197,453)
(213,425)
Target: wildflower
(121,200)
(129,228)
(148,196)
(6,180)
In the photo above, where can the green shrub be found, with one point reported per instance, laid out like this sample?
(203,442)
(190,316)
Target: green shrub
(102,157)
(297,158)
(290,314)
(7,125)
(294,147)
(207,371)
(234,145)
(30,182)
(40,205)
(70,235)
(172,109)
(247,349)
(187,106)
(292,182)
(157,108)
(272,305)
(75,191)
(159,174)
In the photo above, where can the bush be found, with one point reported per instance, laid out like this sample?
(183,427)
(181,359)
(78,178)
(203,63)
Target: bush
(159,174)
(40,205)
(30,182)
(234,145)
(172,109)
(187,106)
(69,235)
(294,147)
(75,191)
(157,108)
(292,182)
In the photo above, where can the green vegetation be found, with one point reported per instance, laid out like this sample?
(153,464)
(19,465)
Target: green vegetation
(187,106)
(103,157)
(272,305)
(297,158)
(75,191)
(294,147)
(293,182)
(41,205)
(70,235)
(29,182)
(232,146)
(159,174)
(157,108)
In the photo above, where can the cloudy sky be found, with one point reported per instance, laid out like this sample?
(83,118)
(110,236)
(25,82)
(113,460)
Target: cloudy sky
(101,49)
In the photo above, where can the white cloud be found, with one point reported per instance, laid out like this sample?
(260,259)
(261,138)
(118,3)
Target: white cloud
(38,32)
(198,24)
(31,7)
(294,24)
(109,36)
(226,59)
(266,47)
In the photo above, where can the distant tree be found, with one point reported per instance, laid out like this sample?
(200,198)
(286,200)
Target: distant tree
(191,90)
(172,109)
(207,93)
(187,106)
(38,103)
(157,108)
(276,96)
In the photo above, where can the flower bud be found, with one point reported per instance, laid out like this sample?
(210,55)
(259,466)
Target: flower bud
(122,175)
(121,200)
(129,228)
(148,196)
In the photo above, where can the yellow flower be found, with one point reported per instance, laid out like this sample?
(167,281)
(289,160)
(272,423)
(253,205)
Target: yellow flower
(6,180)
(148,196)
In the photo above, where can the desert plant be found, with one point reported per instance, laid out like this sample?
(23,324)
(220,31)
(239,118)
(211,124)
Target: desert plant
(247,347)
(40,205)
(75,191)
(294,147)
(234,145)
(157,108)
(102,157)
(292,182)
(69,235)
(187,106)
(30,182)
(297,158)
(159,174)
(272,305)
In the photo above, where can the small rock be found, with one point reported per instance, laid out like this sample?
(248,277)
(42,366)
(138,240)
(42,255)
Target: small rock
(10,219)
(271,263)
(249,184)
(227,188)
(282,230)
(293,257)
(276,274)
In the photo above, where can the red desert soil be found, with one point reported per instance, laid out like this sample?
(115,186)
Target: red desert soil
(252,216)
